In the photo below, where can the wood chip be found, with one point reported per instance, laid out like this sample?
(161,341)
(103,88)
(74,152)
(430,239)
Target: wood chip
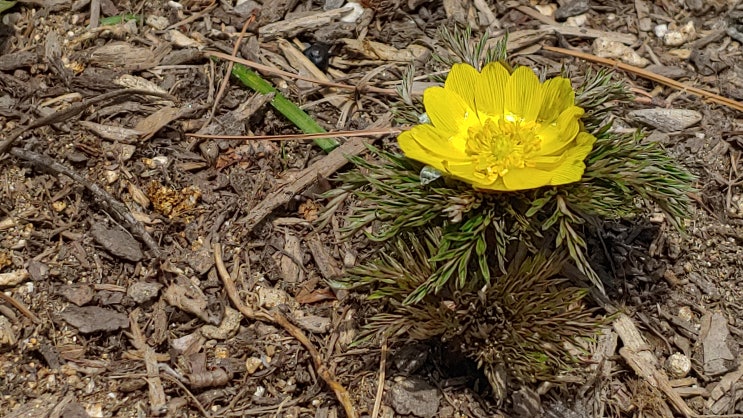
(290,28)
(89,319)
(327,265)
(384,52)
(124,55)
(291,271)
(323,167)
(10,62)
(158,120)
(625,38)
(667,120)
(112,133)
(640,358)
(117,242)
(158,404)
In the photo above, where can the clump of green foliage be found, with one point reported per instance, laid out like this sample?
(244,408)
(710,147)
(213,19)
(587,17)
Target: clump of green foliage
(483,268)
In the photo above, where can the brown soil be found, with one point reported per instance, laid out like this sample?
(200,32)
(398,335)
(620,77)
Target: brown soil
(110,212)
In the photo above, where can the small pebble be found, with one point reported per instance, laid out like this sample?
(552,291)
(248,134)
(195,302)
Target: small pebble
(607,48)
(546,9)
(661,30)
(157,22)
(678,365)
(142,292)
(686,314)
(353,15)
(681,35)
(252,364)
(577,21)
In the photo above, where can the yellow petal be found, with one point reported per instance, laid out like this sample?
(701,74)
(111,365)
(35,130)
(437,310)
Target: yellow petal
(568,173)
(466,173)
(547,162)
(462,80)
(489,90)
(527,178)
(558,96)
(584,138)
(574,166)
(523,94)
(446,109)
(424,143)
(497,185)
(557,136)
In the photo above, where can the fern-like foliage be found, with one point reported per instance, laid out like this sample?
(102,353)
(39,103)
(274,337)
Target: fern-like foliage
(481,229)
(464,48)
(519,323)
(482,269)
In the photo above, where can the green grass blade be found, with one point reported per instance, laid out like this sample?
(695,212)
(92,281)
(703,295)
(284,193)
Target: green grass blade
(115,20)
(301,119)
(5,5)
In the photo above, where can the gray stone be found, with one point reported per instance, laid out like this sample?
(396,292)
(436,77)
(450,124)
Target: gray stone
(142,292)
(667,120)
(717,345)
(414,396)
(572,8)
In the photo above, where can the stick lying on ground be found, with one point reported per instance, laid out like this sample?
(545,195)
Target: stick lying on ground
(277,318)
(119,211)
(74,110)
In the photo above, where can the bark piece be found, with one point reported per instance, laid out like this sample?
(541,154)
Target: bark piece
(117,242)
(89,319)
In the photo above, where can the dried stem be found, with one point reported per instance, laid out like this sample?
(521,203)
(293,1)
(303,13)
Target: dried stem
(119,211)
(277,318)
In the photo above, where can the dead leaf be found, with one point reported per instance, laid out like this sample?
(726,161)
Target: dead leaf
(126,56)
(112,133)
(317,295)
(378,50)
(189,300)
(158,120)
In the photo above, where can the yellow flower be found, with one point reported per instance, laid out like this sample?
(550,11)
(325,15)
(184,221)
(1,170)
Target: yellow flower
(501,131)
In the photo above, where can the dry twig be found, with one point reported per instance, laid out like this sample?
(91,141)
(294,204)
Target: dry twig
(119,211)
(158,405)
(74,110)
(380,384)
(228,71)
(636,353)
(335,134)
(278,318)
(323,167)
(712,97)
(270,70)
(21,307)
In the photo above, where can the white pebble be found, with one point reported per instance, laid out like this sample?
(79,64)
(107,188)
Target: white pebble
(606,48)
(546,9)
(678,365)
(353,15)
(577,21)
(661,30)
(680,36)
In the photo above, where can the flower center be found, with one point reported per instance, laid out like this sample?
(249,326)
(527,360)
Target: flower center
(501,144)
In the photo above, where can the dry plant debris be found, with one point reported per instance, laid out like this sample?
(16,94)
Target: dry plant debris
(113,301)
